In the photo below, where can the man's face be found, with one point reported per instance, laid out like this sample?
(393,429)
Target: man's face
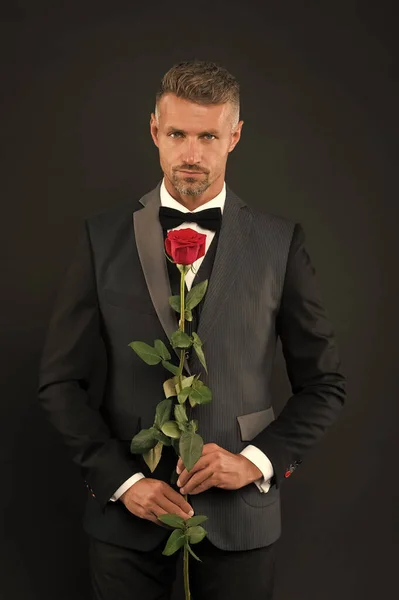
(194,141)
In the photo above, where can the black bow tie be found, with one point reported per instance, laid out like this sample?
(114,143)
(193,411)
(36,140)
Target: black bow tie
(210,218)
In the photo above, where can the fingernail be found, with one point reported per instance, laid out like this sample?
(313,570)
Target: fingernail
(182,490)
(178,482)
(178,471)
(191,513)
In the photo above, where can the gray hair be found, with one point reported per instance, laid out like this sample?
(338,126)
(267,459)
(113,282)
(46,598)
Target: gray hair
(201,82)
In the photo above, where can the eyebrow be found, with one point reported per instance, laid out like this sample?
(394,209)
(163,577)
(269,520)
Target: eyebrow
(211,131)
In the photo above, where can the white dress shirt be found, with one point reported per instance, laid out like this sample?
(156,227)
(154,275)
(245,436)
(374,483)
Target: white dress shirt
(253,453)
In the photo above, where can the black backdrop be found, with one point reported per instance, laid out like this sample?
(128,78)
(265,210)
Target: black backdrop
(319,101)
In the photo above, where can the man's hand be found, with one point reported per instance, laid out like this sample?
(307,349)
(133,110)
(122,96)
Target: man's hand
(217,467)
(148,498)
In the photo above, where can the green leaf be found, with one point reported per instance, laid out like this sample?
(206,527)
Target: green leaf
(185,389)
(173,521)
(193,425)
(169,387)
(180,339)
(198,349)
(201,356)
(147,353)
(201,394)
(196,294)
(174,302)
(195,534)
(188,315)
(196,520)
(171,367)
(171,429)
(186,382)
(175,444)
(180,414)
(183,395)
(162,349)
(153,456)
(190,448)
(196,338)
(182,427)
(192,552)
(161,437)
(176,540)
(162,412)
(143,440)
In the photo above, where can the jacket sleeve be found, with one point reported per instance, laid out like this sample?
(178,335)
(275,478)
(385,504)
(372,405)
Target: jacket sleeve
(312,363)
(66,369)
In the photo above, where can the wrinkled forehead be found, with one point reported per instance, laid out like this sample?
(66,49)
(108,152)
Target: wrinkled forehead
(191,117)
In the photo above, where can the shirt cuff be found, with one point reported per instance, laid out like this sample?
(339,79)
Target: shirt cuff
(125,486)
(261,461)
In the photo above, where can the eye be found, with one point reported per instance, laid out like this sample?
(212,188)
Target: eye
(208,136)
(174,134)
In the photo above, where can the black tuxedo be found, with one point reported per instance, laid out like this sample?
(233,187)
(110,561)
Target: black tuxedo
(261,287)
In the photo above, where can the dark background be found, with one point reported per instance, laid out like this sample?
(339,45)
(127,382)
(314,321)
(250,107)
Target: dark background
(319,145)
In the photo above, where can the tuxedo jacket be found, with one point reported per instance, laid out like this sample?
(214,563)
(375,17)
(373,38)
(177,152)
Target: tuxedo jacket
(115,291)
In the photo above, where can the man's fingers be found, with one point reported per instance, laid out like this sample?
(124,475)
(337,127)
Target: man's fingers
(202,487)
(200,465)
(206,450)
(149,497)
(153,516)
(165,506)
(175,498)
(197,482)
(209,448)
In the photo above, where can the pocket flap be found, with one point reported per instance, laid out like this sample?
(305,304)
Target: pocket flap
(253,423)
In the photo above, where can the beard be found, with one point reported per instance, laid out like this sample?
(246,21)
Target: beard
(190,186)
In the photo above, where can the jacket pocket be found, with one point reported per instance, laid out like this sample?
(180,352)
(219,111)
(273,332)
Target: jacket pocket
(253,423)
(250,426)
(252,496)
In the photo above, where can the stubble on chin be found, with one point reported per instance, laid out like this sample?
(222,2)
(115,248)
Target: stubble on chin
(194,188)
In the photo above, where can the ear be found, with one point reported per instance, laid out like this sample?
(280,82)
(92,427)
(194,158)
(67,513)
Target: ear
(235,136)
(154,129)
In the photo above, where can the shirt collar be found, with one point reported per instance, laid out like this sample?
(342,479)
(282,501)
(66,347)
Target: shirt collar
(216,202)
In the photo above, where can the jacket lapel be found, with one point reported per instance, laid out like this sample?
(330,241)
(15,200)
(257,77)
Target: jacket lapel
(150,246)
(230,252)
(233,234)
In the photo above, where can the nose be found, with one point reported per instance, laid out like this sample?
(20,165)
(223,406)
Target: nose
(191,154)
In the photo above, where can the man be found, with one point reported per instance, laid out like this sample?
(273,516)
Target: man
(261,287)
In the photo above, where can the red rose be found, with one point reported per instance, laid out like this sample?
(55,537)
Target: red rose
(185,245)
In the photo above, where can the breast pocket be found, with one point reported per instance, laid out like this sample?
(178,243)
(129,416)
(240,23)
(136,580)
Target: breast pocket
(253,423)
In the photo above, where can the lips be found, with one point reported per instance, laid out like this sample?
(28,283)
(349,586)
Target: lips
(192,172)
